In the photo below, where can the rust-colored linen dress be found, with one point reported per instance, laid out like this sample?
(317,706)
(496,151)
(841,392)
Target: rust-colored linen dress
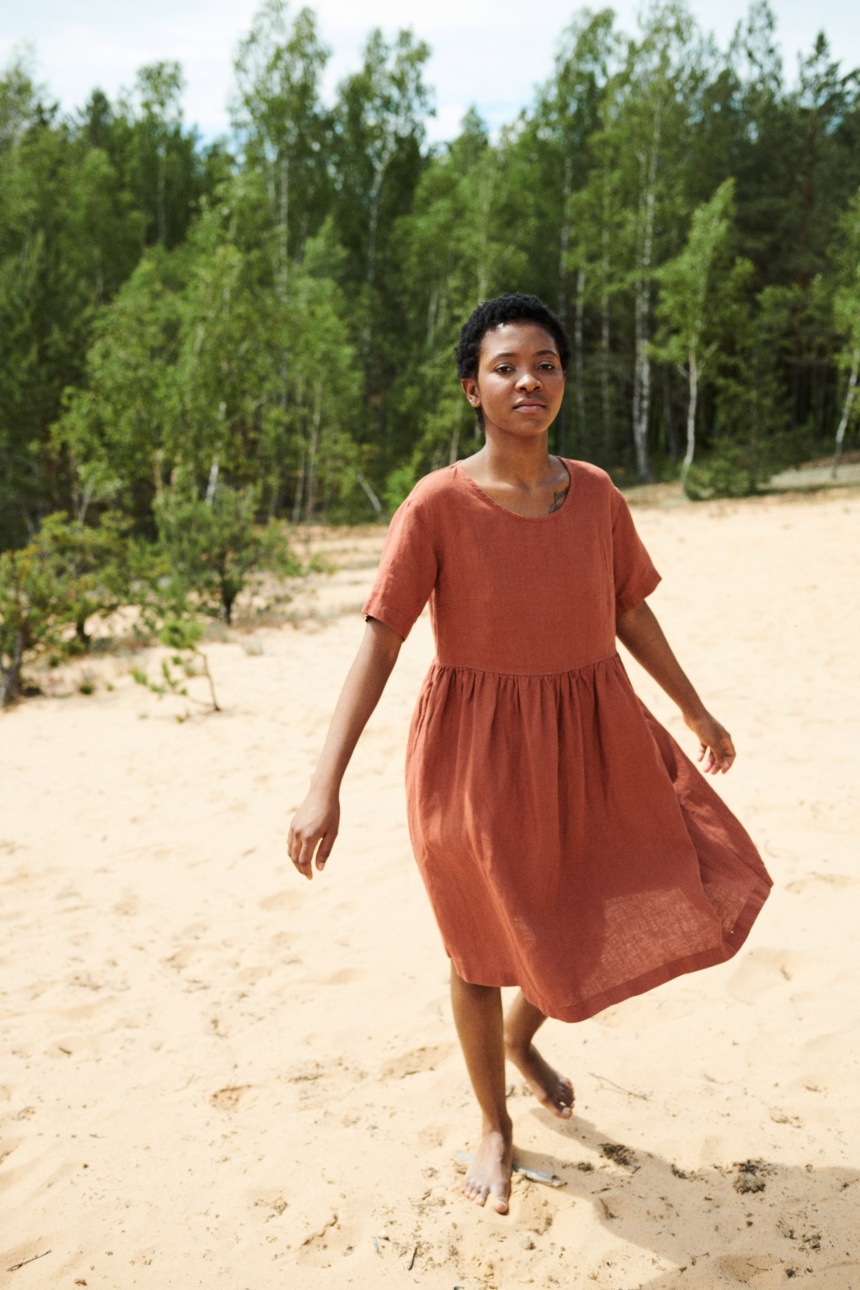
(567,844)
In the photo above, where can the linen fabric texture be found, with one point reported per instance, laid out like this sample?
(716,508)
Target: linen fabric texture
(567,844)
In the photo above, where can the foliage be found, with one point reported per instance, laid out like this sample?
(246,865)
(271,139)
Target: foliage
(730,470)
(51,588)
(212,547)
(272,316)
(183,636)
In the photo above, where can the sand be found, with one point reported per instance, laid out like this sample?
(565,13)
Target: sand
(216,1074)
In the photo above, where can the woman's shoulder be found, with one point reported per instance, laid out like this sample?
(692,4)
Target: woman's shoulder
(588,475)
(432,492)
(591,484)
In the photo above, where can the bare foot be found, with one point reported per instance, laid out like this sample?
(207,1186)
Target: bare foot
(489,1173)
(552,1090)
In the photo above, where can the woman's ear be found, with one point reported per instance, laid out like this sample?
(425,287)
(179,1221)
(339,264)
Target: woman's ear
(470,389)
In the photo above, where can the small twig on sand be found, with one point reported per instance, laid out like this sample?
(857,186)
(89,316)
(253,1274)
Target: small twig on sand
(411,1264)
(621,1089)
(376,1245)
(24,1262)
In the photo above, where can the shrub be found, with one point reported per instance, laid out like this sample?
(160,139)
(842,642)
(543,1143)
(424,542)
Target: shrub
(212,546)
(52,587)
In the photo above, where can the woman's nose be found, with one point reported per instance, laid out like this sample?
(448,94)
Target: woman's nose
(528,381)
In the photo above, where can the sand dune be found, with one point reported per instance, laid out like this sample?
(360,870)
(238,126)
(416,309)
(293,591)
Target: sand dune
(215,1074)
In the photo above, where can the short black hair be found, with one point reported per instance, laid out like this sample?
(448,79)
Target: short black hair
(515,307)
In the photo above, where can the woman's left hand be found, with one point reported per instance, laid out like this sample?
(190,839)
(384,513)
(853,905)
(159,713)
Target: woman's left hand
(716,750)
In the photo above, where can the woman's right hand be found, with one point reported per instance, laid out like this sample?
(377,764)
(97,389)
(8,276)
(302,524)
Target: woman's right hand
(314,829)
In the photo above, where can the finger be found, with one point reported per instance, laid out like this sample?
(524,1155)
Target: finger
(294,847)
(304,860)
(325,849)
(723,753)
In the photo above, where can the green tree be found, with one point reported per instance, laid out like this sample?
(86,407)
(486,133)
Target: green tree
(212,546)
(377,160)
(693,287)
(115,428)
(282,125)
(846,308)
(52,587)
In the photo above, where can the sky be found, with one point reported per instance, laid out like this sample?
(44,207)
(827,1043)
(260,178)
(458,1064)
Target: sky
(486,53)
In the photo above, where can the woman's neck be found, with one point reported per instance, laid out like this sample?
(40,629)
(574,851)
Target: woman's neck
(522,461)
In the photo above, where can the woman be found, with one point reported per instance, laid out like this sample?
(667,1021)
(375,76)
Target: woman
(567,844)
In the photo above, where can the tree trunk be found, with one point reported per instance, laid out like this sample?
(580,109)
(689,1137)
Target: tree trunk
(642,384)
(372,237)
(212,485)
(564,240)
(161,195)
(579,354)
(285,221)
(691,418)
(642,362)
(668,416)
(300,491)
(12,673)
(368,491)
(486,202)
(605,390)
(846,411)
(313,450)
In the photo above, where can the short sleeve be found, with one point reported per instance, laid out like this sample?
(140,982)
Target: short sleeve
(407,571)
(635,575)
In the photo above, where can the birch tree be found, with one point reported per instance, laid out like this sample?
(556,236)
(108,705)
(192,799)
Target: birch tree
(691,285)
(846,309)
(282,125)
(652,101)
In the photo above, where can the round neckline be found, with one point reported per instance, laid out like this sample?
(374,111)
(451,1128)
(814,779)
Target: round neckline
(552,515)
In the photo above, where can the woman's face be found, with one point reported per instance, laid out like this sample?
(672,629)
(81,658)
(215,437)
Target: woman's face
(520,382)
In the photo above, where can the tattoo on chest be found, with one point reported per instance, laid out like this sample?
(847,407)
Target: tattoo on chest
(558,498)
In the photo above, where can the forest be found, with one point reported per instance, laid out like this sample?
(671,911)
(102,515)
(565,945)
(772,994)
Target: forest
(203,344)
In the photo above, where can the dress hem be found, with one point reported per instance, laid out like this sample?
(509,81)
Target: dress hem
(597,1003)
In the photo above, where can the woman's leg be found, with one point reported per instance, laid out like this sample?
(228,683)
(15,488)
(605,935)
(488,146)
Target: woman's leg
(552,1090)
(478,1016)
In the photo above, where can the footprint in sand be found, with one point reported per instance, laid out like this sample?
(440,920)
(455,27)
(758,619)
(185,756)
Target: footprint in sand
(416,1061)
(228,1099)
(288,900)
(838,880)
(753,1269)
(325,1242)
(764,970)
(344,976)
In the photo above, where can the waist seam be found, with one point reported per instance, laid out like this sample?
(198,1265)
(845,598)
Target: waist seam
(489,671)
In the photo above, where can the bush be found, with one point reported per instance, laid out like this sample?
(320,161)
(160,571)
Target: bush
(50,589)
(183,636)
(729,470)
(211,547)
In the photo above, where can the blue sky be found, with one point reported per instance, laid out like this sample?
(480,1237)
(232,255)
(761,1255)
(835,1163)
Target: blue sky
(488,52)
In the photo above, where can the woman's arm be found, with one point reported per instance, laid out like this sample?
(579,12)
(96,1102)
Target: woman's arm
(316,820)
(642,634)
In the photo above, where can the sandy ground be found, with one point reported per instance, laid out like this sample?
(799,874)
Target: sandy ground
(214,1074)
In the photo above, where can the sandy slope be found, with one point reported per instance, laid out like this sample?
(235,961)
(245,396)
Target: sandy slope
(214,1074)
